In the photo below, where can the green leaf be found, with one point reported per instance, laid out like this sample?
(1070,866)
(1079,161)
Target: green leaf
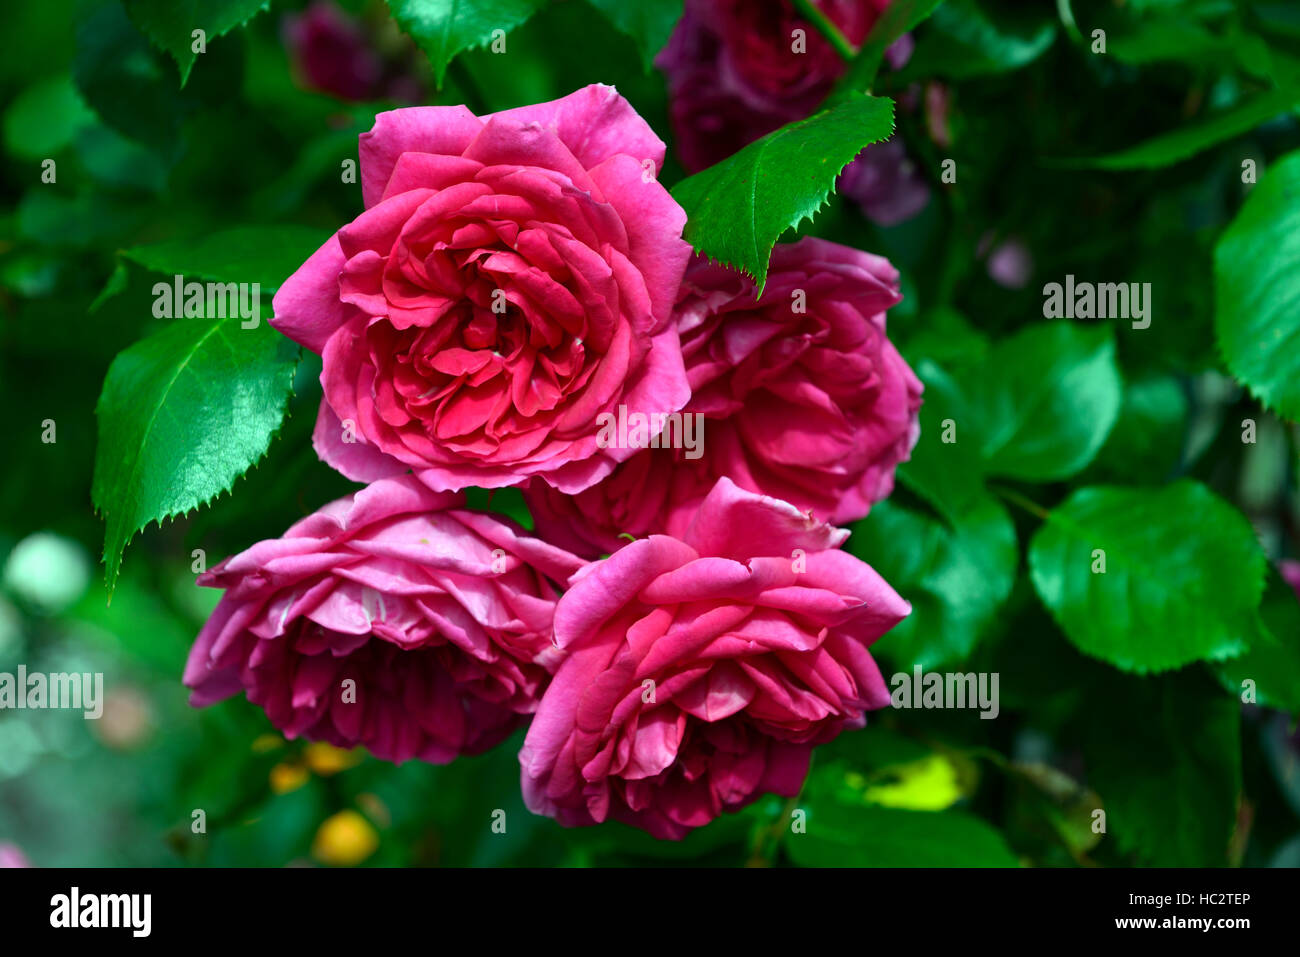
(1257,289)
(183,414)
(843,835)
(649,22)
(737,209)
(965,39)
(445,28)
(44,118)
(1164,754)
(170,24)
(955,577)
(1161,602)
(1147,442)
(948,474)
(1045,400)
(126,81)
(1273,661)
(898,18)
(266,255)
(1185,142)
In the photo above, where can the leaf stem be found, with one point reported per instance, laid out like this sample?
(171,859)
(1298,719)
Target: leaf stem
(1028,504)
(814,15)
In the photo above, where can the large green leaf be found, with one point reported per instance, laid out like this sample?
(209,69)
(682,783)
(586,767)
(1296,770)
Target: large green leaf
(1182,581)
(1045,400)
(955,577)
(266,255)
(1273,662)
(183,414)
(1185,142)
(1257,289)
(171,23)
(648,22)
(844,835)
(737,209)
(445,28)
(1164,754)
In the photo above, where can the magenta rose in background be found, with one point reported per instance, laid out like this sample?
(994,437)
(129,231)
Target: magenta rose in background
(702,670)
(441,616)
(815,407)
(333,52)
(511,279)
(734,76)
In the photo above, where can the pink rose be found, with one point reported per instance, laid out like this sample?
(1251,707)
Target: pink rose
(702,670)
(440,617)
(735,73)
(815,407)
(511,279)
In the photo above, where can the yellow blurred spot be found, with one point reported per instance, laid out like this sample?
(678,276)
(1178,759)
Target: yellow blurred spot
(344,840)
(287,777)
(267,742)
(325,759)
(930,784)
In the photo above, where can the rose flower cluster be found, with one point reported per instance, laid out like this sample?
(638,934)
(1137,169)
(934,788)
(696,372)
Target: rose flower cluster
(683,626)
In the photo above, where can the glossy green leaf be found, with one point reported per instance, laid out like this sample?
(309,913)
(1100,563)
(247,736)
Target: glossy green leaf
(1186,141)
(843,835)
(1160,602)
(737,209)
(1257,289)
(1272,665)
(1045,400)
(955,577)
(266,255)
(182,415)
(445,28)
(1164,755)
(966,38)
(648,22)
(171,24)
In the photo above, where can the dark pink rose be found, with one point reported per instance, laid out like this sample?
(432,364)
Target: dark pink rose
(1290,569)
(331,53)
(702,670)
(735,71)
(511,279)
(440,616)
(815,407)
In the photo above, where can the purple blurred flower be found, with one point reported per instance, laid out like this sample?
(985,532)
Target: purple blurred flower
(11,856)
(334,53)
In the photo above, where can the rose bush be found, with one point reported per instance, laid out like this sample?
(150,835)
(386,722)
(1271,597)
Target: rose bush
(510,280)
(804,399)
(702,669)
(441,617)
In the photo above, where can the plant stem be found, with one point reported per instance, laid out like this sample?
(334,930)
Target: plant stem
(814,15)
(1015,498)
